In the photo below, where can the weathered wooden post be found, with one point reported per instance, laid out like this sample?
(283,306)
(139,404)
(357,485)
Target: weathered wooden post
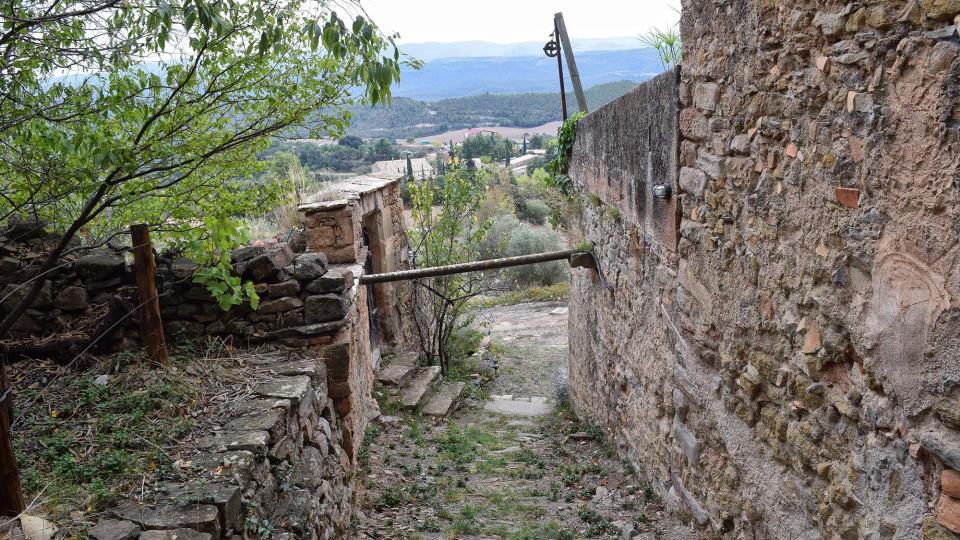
(571,62)
(11,492)
(145,268)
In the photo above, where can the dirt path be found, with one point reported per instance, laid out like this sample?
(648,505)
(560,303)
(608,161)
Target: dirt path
(482,474)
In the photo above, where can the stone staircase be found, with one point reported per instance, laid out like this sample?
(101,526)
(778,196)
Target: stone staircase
(416,388)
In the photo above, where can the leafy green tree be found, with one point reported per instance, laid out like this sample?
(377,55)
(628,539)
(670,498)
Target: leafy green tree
(384,149)
(165,108)
(351,140)
(445,231)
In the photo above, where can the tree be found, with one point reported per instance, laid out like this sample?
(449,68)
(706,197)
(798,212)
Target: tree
(448,236)
(384,149)
(524,151)
(164,108)
(351,140)
(409,167)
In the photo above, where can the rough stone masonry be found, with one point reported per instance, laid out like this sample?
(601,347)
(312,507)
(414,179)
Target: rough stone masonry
(782,352)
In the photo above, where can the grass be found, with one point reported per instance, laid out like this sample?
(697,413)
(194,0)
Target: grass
(80,445)
(559,291)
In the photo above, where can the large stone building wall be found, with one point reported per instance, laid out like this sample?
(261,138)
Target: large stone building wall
(792,369)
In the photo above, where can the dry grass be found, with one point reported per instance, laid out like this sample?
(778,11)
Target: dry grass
(82,445)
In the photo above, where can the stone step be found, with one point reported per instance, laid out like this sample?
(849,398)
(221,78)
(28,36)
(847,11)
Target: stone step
(446,400)
(418,387)
(395,374)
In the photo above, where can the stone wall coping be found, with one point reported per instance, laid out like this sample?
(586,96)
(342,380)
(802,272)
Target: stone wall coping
(353,187)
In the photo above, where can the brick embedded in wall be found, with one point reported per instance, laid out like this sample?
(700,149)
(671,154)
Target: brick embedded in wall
(796,368)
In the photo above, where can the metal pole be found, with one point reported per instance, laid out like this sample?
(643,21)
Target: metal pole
(475,266)
(571,62)
(563,92)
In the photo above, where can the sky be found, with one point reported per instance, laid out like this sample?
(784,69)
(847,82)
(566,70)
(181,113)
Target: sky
(509,21)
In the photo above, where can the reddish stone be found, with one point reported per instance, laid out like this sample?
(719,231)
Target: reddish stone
(849,197)
(948,513)
(856,148)
(950,482)
(791,150)
(693,124)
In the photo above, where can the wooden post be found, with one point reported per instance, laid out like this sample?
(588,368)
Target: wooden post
(571,62)
(11,492)
(145,268)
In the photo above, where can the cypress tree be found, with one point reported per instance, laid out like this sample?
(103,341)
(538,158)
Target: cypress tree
(409,167)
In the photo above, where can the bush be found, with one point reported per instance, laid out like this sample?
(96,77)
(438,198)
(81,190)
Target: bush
(533,211)
(494,245)
(525,240)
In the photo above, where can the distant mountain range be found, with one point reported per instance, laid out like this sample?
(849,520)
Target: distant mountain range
(460,77)
(413,118)
(473,49)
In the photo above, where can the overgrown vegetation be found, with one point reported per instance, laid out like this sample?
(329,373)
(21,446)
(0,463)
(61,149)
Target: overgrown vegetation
(666,42)
(448,234)
(84,441)
(119,141)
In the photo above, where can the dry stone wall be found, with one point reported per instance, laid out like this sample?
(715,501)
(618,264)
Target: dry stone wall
(278,469)
(288,454)
(793,370)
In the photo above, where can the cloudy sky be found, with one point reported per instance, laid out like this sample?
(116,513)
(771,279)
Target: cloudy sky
(507,21)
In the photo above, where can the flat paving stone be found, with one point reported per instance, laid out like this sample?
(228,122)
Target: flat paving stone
(531,406)
(445,400)
(251,441)
(294,388)
(419,385)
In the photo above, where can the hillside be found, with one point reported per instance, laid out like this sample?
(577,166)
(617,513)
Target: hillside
(459,77)
(411,118)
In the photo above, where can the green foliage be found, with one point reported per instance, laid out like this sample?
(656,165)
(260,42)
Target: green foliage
(119,141)
(667,43)
(210,249)
(88,441)
(559,291)
(448,234)
(559,166)
(525,240)
(534,211)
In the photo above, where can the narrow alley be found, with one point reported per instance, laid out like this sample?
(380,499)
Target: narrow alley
(512,462)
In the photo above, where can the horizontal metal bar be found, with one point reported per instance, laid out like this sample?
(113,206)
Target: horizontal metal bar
(475,266)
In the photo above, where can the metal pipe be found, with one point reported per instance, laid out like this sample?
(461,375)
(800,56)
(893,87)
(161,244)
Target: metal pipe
(475,266)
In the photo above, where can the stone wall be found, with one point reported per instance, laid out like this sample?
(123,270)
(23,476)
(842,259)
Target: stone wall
(277,469)
(793,369)
(302,428)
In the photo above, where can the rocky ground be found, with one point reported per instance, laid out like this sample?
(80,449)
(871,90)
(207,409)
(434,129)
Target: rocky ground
(506,465)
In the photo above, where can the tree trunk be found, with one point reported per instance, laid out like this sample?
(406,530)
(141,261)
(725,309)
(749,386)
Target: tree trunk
(145,269)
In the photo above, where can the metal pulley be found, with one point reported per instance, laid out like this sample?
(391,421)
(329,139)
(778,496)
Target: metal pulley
(552,48)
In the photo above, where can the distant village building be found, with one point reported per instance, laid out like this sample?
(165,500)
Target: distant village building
(519,165)
(422,169)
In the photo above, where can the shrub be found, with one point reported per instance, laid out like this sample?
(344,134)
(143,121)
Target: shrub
(533,211)
(525,240)
(494,245)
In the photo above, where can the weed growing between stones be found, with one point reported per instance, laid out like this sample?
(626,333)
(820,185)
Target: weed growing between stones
(84,439)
